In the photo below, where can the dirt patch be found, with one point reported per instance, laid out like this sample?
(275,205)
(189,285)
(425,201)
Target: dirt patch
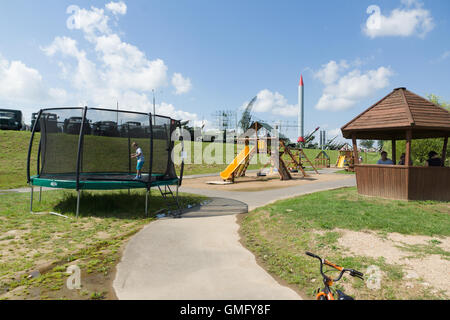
(94,285)
(253,183)
(102,235)
(429,269)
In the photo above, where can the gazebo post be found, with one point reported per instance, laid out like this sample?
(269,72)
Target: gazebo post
(394,152)
(355,150)
(408,148)
(444,151)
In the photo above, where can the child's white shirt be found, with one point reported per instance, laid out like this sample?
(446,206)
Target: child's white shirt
(140,156)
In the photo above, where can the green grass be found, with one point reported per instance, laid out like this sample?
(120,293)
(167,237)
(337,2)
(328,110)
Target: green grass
(107,220)
(344,172)
(280,233)
(344,208)
(13,158)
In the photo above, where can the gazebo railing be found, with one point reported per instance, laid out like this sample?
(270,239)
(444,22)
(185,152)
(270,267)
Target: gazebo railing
(403,182)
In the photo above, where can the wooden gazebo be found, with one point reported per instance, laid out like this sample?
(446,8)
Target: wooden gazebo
(401,115)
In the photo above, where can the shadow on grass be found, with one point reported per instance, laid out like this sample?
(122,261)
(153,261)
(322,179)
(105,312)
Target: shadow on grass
(117,205)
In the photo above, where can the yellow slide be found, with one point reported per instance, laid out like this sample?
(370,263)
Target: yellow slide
(240,159)
(341,162)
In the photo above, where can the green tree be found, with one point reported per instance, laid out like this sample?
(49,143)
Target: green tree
(421,147)
(367,143)
(438,101)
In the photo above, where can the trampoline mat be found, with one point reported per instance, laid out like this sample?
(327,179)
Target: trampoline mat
(105,177)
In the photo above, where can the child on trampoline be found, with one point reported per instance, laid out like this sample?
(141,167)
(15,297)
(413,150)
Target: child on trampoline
(140,160)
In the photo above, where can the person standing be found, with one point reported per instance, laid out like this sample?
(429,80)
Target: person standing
(140,160)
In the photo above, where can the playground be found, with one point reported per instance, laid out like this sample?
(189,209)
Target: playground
(253,183)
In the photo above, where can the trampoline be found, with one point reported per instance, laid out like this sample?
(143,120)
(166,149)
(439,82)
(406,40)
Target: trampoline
(90,149)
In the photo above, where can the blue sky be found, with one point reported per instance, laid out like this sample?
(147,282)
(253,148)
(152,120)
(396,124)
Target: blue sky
(203,56)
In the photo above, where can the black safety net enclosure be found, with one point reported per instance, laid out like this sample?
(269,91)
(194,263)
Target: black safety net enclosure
(99,149)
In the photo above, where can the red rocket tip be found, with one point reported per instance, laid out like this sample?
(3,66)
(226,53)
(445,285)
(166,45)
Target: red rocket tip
(301,81)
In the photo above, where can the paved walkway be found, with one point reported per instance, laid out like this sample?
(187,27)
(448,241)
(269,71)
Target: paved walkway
(200,257)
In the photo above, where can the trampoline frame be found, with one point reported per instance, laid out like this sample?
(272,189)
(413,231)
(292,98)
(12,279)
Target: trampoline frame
(110,184)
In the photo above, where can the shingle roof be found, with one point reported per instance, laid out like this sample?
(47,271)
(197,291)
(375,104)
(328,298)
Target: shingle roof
(398,111)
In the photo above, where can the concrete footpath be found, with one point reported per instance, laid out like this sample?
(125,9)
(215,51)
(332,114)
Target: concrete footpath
(200,257)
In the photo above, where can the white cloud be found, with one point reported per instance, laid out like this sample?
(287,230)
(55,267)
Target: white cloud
(342,92)
(22,84)
(117,7)
(169,110)
(182,85)
(113,70)
(273,102)
(330,72)
(407,20)
(89,21)
(333,133)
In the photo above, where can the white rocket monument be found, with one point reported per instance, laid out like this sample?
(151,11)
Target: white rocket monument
(301,110)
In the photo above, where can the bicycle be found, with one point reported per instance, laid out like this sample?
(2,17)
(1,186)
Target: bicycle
(327,293)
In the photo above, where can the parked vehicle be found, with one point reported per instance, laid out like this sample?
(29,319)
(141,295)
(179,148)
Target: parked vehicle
(73,125)
(11,120)
(133,129)
(105,128)
(52,122)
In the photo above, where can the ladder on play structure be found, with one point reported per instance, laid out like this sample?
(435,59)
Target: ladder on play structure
(296,161)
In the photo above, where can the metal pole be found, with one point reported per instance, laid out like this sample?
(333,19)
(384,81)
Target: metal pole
(154,109)
(31,146)
(78,202)
(40,194)
(31,199)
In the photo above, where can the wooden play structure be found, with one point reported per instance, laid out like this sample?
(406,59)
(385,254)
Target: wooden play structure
(322,160)
(402,115)
(345,158)
(296,157)
(240,164)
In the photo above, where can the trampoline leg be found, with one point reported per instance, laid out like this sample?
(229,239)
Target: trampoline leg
(40,194)
(31,200)
(78,203)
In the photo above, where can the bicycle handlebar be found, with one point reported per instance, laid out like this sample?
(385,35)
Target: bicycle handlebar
(352,272)
(312,255)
